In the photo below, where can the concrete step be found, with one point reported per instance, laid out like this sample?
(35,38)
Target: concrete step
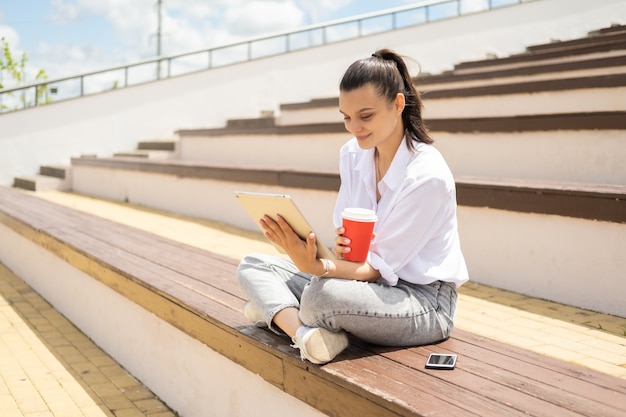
(39,183)
(564,154)
(146,154)
(564,51)
(57,171)
(158,145)
(601,92)
(152,149)
(513,235)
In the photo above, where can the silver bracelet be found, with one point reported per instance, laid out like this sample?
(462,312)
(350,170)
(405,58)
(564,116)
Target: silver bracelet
(326,263)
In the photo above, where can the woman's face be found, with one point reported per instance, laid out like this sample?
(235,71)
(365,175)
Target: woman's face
(370,117)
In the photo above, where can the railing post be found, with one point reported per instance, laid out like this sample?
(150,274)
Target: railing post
(82,78)
(210,59)
(126,76)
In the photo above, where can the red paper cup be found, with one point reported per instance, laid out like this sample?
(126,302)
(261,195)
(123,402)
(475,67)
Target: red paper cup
(359,226)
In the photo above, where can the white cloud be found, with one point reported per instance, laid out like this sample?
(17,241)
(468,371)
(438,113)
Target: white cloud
(197,9)
(132,21)
(257,17)
(186,25)
(321,9)
(469,6)
(63,12)
(10,35)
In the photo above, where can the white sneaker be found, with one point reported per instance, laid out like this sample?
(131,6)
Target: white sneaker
(254,315)
(319,345)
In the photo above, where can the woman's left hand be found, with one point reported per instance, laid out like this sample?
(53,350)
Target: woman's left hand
(303,253)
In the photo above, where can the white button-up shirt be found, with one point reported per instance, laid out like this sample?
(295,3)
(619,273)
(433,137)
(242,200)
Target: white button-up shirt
(416,233)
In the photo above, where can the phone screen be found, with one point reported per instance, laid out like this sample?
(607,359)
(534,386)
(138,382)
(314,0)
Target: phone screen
(441,361)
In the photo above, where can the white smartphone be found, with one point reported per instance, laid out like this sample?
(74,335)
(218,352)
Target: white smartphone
(441,361)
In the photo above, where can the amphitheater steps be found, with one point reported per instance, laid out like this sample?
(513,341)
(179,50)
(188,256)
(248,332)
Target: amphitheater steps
(58,177)
(50,177)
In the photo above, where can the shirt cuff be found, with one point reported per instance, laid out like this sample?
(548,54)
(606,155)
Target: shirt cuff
(386,273)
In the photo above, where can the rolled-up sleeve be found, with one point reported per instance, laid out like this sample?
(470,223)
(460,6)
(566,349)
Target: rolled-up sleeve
(406,240)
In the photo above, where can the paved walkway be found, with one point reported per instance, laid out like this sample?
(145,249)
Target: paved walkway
(49,368)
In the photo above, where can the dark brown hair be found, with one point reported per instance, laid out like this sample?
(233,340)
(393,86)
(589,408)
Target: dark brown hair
(388,73)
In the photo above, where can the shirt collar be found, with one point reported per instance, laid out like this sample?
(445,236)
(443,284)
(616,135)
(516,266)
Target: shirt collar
(395,174)
(364,163)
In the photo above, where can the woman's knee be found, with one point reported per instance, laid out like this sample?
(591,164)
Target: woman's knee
(248,264)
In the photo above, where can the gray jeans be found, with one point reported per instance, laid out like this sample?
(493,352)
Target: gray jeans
(404,315)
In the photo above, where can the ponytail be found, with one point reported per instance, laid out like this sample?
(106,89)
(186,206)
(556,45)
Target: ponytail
(388,73)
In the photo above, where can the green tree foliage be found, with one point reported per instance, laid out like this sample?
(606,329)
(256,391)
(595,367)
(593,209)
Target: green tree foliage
(15,69)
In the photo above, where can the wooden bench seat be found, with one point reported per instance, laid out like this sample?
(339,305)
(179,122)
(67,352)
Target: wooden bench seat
(196,291)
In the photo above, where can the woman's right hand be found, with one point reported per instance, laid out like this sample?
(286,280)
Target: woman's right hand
(342,243)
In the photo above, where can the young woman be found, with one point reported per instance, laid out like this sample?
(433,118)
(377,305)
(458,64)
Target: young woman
(404,294)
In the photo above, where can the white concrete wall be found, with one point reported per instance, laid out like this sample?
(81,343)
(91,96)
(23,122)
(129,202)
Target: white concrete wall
(586,157)
(305,152)
(195,381)
(115,121)
(548,102)
(573,261)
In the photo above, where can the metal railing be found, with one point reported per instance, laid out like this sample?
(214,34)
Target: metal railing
(162,67)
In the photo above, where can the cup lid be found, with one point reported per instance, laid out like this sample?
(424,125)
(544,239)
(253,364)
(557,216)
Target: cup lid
(359,214)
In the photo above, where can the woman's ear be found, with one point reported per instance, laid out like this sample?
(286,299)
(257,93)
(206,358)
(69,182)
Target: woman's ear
(400,102)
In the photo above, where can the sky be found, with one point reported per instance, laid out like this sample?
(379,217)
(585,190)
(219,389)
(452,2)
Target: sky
(68,37)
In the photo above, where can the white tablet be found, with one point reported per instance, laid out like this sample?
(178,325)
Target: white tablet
(259,204)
